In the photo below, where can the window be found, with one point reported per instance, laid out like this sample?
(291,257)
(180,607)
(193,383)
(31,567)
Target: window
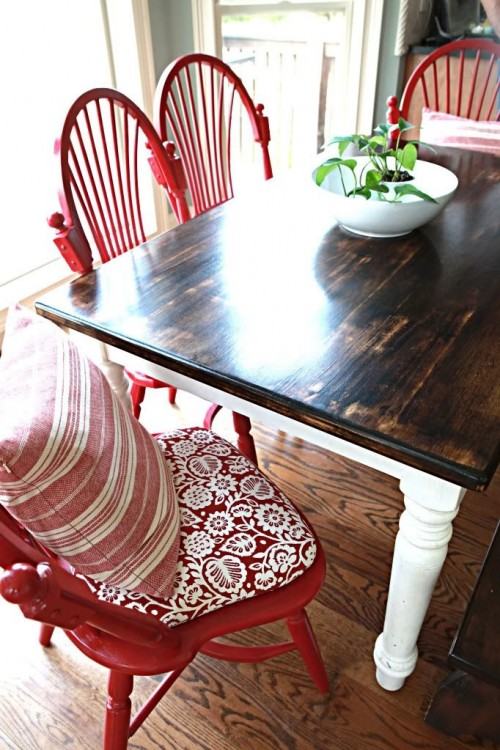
(45,66)
(49,54)
(312,63)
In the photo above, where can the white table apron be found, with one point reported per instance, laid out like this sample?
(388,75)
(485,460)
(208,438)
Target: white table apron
(425,526)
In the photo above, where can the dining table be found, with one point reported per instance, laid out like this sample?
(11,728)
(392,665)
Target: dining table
(383,350)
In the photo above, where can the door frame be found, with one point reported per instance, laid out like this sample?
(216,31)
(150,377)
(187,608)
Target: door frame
(364,22)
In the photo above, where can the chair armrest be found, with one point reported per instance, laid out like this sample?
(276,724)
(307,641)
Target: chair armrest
(72,244)
(54,596)
(170,175)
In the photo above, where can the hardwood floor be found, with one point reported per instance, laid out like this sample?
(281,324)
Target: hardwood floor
(54,699)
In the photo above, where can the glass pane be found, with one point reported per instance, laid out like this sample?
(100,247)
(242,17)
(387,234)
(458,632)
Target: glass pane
(293,63)
(277,3)
(49,54)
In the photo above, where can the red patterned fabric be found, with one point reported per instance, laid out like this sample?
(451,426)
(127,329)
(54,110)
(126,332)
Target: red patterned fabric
(76,469)
(240,536)
(443,129)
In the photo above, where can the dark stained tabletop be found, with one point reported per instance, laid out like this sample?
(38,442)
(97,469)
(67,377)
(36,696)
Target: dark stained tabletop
(392,344)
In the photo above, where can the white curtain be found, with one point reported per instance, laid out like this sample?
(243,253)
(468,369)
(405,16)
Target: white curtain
(413,21)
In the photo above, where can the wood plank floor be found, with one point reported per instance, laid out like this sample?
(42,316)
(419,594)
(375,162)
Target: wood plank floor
(53,699)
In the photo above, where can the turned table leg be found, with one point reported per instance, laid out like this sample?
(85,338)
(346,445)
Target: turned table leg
(97,351)
(117,379)
(425,529)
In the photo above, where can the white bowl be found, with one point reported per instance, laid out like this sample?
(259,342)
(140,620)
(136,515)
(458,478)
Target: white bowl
(378,218)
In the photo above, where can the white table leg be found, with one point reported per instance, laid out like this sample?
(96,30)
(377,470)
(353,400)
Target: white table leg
(97,351)
(425,528)
(116,378)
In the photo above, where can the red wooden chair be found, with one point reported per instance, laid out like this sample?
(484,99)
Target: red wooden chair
(202,111)
(458,84)
(150,636)
(104,138)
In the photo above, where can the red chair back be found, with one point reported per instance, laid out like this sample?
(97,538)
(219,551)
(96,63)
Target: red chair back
(203,107)
(454,80)
(104,148)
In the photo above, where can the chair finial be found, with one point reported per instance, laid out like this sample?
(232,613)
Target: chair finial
(392,116)
(57,221)
(20,583)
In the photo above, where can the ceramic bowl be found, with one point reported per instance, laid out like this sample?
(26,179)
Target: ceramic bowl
(379,218)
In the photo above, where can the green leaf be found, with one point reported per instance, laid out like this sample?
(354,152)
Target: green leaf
(372,178)
(324,169)
(408,189)
(380,188)
(382,129)
(342,146)
(408,156)
(364,191)
(343,142)
(404,125)
(330,164)
(341,139)
(422,143)
(361,141)
(377,140)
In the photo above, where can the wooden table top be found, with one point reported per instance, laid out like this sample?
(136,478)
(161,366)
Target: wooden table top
(392,344)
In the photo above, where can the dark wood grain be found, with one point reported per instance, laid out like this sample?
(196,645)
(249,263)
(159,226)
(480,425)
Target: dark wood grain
(392,344)
(476,647)
(464,705)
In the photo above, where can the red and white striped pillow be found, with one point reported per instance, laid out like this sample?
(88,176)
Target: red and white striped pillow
(442,129)
(76,469)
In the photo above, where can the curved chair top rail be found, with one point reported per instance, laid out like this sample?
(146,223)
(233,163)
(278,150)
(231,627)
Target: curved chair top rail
(181,64)
(102,137)
(442,87)
(194,107)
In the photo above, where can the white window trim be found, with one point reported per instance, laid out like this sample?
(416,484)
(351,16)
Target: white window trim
(364,21)
(139,41)
(37,280)
(34,281)
(206,29)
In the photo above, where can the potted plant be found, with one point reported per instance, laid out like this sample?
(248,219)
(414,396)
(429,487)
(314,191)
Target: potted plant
(387,191)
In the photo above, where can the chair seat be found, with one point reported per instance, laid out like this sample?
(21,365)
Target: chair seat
(240,536)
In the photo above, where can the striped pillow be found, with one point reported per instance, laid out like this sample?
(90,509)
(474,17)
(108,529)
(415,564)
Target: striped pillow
(76,469)
(442,129)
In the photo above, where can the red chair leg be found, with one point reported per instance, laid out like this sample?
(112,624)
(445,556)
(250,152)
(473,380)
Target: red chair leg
(137,393)
(246,445)
(45,634)
(118,705)
(212,412)
(304,638)
(172,393)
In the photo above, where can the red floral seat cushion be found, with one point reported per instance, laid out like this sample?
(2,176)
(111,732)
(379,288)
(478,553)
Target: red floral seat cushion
(240,536)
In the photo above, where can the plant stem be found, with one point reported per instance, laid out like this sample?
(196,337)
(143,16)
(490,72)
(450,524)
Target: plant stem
(397,164)
(343,184)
